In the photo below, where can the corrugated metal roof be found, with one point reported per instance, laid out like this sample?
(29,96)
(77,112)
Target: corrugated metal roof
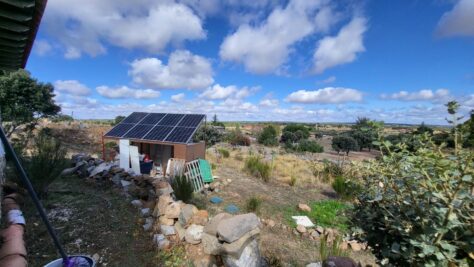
(19,22)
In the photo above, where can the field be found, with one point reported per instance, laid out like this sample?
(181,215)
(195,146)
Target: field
(100,220)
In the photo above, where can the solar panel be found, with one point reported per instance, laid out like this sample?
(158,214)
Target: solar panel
(191,120)
(171,119)
(138,132)
(180,134)
(158,133)
(134,117)
(152,118)
(166,127)
(119,130)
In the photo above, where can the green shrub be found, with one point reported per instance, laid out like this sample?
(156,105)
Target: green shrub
(344,143)
(416,209)
(258,168)
(46,162)
(224,152)
(208,134)
(345,188)
(253,204)
(309,146)
(268,136)
(331,170)
(183,188)
(236,138)
(331,248)
(292,181)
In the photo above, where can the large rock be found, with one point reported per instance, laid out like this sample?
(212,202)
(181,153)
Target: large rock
(180,231)
(101,168)
(301,229)
(250,257)
(161,241)
(235,248)
(211,226)
(194,234)
(187,212)
(304,207)
(172,210)
(166,221)
(201,217)
(163,202)
(234,228)
(211,244)
(167,230)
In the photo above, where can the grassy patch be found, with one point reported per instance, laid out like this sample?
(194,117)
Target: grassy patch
(326,213)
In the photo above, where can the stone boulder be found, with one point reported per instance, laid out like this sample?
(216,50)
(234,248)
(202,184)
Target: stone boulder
(173,210)
(163,202)
(304,207)
(250,257)
(187,212)
(165,220)
(235,248)
(193,234)
(167,230)
(201,217)
(211,226)
(235,227)
(211,244)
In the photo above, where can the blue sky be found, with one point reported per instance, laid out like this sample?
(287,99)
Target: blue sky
(259,60)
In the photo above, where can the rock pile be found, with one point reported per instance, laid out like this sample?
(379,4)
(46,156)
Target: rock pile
(225,238)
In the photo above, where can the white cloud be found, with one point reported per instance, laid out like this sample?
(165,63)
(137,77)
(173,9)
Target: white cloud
(42,47)
(225,92)
(342,48)
(328,95)
(178,98)
(72,87)
(422,95)
(264,48)
(328,80)
(126,92)
(269,102)
(89,26)
(184,71)
(459,21)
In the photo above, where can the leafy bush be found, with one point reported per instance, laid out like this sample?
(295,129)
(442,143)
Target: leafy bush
(268,136)
(253,204)
(46,162)
(61,117)
(331,170)
(224,152)
(417,205)
(345,188)
(258,168)
(118,119)
(309,146)
(208,134)
(236,138)
(423,128)
(344,143)
(183,188)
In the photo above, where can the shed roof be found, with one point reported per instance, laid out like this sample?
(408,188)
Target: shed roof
(19,22)
(161,127)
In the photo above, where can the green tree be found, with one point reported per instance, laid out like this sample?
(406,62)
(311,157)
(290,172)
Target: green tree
(24,100)
(216,122)
(423,128)
(208,134)
(468,129)
(365,132)
(118,119)
(344,143)
(268,136)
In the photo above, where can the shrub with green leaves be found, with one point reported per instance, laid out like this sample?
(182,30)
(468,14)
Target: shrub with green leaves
(183,188)
(344,143)
(253,204)
(46,162)
(345,188)
(268,136)
(309,146)
(258,168)
(224,152)
(416,209)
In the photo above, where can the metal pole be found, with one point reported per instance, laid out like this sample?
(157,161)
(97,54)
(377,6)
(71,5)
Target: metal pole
(34,196)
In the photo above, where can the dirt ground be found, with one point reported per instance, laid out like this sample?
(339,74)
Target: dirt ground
(103,222)
(280,243)
(89,220)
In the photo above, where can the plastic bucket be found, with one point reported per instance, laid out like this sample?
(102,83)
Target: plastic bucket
(59,262)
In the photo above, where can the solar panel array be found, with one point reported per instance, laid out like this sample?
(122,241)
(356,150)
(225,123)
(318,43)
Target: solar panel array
(166,127)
